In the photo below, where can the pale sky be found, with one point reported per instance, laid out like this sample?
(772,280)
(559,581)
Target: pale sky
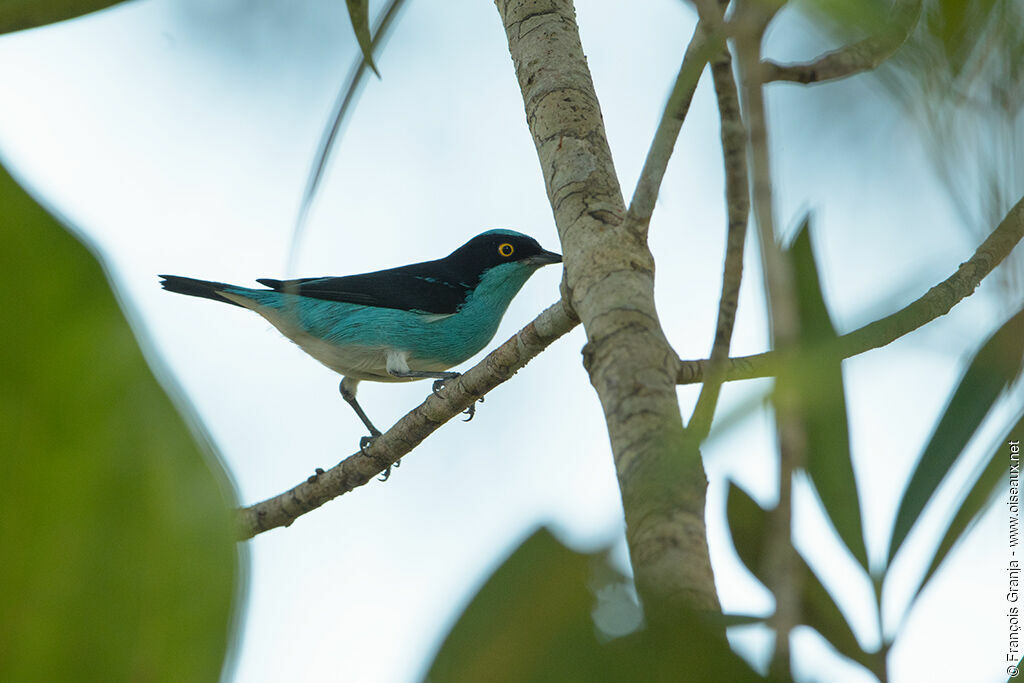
(177,136)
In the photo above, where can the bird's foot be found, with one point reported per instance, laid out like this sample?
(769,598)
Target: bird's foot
(471,410)
(365,442)
(439,384)
(387,473)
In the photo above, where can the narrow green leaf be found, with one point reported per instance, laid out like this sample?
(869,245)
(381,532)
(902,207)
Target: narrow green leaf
(993,367)
(823,615)
(819,385)
(18,15)
(532,622)
(748,523)
(359,13)
(344,104)
(993,478)
(119,560)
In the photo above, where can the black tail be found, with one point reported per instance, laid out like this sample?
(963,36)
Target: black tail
(192,287)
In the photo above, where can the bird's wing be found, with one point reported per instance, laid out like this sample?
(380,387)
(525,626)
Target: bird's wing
(410,288)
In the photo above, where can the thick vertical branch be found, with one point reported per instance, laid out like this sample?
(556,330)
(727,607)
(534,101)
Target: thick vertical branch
(609,281)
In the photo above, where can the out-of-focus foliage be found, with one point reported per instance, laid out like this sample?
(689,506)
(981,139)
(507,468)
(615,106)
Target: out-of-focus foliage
(818,382)
(359,13)
(810,391)
(993,474)
(960,77)
(748,526)
(532,622)
(812,388)
(343,105)
(119,560)
(17,15)
(996,364)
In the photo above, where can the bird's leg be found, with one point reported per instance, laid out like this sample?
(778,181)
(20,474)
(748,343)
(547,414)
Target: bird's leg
(439,377)
(439,382)
(348,392)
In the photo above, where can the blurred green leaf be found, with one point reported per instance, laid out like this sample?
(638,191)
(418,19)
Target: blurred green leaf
(822,614)
(119,559)
(691,648)
(849,19)
(359,13)
(954,26)
(532,622)
(343,106)
(748,524)
(819,387)
(960,77)
(996,364)
(991,480)
(17,15)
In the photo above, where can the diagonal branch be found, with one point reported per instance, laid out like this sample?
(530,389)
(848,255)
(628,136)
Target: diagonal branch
(407,433)
(936,302)
(861,56)
(701,48)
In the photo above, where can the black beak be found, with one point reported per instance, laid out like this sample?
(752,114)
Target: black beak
(544,258)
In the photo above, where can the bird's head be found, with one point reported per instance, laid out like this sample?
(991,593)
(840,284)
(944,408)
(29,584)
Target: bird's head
(501,247)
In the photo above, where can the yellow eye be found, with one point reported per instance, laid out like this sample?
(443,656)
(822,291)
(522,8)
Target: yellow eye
(505,249)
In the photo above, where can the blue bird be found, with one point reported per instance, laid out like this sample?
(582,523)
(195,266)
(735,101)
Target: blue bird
(396,325)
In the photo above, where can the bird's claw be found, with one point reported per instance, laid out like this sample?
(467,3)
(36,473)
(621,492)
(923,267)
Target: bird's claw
(387,473)
(471,410)
(439,384)
(364,443)
(316,475)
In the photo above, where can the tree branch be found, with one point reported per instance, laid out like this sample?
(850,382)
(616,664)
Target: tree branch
(609,281)
(737,200)
(701,47)
(414,427)
(861,56)
(936,302)
(780,561)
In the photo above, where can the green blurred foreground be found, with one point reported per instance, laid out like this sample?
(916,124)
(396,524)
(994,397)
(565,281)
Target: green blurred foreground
(119,561)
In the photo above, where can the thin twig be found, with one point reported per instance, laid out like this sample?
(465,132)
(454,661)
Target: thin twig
(342,106)
(701,48)
(357,469)
(780,559)
(737,189)
(861,56)
(936,302)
